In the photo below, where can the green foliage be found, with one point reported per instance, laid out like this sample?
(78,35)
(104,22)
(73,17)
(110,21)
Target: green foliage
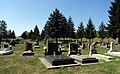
(3,27)
(36,33)
(42,36)
(102,31)
(55,27)
(90,31)
(114,20)
(80,31)
(31,35)
(24,35)
(71,29)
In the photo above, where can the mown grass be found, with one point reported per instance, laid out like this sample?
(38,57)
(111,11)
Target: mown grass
(18,64)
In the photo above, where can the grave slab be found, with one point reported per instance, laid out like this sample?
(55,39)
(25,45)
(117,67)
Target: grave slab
(59,59)
(84,59)
(100,56)
(50,66)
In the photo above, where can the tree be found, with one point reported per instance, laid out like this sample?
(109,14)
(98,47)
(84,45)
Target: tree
(102,31)
(24,35)
(13,34)
(9,34)
(42,36)
(71,29)
(114,20)
(80,31)
(90,30)
(3,27)
(36,33)
(54,27)
(31,35)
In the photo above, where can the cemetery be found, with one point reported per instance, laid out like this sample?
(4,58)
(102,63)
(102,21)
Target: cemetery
(59,45)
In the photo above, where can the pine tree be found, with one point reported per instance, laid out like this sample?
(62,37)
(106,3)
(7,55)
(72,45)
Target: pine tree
(90,30)
(80,31)
(114,20)
(102,31)
(54,26)
(3,27)
(24,35)
(31,35)
(71,30)
(42,36)
(13,34)
(36,33)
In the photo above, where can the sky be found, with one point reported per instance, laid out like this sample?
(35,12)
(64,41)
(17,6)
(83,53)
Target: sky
(23,15)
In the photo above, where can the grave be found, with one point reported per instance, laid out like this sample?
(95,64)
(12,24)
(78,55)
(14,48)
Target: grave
(5,49)
(113,50)
(28,49)
(80,58)
(54,56)
(36,44)
(93,53)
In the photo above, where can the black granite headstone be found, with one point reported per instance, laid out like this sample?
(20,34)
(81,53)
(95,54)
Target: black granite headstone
(73,48)
(53,48)
(28,46)
(28,49)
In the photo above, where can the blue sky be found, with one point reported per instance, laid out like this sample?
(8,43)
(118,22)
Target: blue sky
(23,15)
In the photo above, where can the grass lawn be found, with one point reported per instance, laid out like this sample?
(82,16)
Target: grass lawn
(17,64)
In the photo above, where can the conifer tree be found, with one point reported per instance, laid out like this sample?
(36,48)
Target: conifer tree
(114,20)
(80,31)
(90,30)
(71,30)
(54,27)
(102,31)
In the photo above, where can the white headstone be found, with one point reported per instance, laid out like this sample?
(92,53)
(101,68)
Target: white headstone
(112,47)
(92,49)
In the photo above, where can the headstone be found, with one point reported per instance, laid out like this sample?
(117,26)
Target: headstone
(28,49)
(92,49)
(108,45)
(36,44)
(53,48)
(112,47)
(73,49)
(12,43)
(28,46)
(83,45)
(5,49)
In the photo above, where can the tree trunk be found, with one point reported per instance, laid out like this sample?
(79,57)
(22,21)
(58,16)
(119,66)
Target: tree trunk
(90,40)
(56,40)
(102,40)
(119,39)
(81,39)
